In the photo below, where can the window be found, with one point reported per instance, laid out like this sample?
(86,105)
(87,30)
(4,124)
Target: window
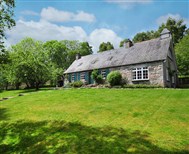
(110,58)
(140,73)
(103,73)
(94,61)
(73,78)
(80,64)
(82,76)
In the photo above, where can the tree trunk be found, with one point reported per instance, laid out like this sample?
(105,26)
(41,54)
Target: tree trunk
(37,86)
(17,86)
(6,86)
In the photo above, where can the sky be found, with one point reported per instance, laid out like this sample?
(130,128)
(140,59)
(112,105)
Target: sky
(95,21)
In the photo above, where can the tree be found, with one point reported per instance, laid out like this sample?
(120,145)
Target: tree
(144,36)
(177,29)
(6,14)
(105,46)
(122,42)
(57,53)
(182,56)
(74,47)
(32,64)
(85,49)
(63,53)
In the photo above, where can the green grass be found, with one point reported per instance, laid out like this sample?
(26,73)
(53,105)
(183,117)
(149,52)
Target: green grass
(95,121)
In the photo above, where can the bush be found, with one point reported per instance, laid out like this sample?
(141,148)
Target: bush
(97,77)
(76,84)
(114,78)
(142,86)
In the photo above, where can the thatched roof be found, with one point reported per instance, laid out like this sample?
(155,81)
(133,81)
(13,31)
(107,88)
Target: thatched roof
(147,51)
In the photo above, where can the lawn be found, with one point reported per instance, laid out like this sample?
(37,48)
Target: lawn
(95,121)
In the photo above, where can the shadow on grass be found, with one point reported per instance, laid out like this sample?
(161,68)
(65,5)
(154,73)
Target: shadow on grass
(34,90)
(63,137)
(3,114)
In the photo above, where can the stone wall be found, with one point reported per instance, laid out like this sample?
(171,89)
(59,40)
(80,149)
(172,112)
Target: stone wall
(155,73)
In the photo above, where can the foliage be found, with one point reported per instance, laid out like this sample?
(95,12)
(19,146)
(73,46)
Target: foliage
(114,78)
(6,14)
(56,52)
(76,84)
(31,61)
(141,86)
(182,56)
(57,121)
(143,36)
(74,47)
(97,77)
(177,29)
(105,46)
(123,41)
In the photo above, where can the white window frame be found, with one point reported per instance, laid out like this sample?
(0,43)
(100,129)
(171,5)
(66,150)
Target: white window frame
(82,76)
(142,69)
(73,77)
(103,73)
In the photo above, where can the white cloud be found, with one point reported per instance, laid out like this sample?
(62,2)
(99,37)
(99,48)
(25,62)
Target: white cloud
(54,15)
(29,12)
(177,17)
(127,4)
(44,30)
(103,35)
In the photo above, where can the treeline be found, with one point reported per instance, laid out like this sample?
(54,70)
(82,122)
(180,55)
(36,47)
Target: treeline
(177,28)
(34,63)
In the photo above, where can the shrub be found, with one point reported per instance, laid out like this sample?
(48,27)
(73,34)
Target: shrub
(142,86)
(114,78)
(97,77)
(76,84)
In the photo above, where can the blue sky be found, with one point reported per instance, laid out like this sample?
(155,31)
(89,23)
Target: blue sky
(94,21)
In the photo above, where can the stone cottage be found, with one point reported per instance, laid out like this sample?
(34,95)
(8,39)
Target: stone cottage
(148,62)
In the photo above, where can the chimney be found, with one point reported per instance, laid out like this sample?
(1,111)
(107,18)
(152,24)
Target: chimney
(165,34)
(128,43)
(78,56)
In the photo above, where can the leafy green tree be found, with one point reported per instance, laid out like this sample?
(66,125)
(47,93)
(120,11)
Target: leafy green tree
(144,36)
(57,53)
(74,47)
(105,46)
(32,64)
(182,56)
(122,42)
(4,57)
(177,28)
(85,49)
(63,53)
(6,14)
